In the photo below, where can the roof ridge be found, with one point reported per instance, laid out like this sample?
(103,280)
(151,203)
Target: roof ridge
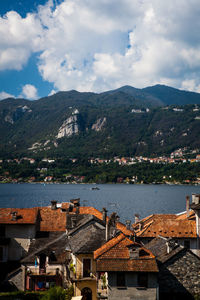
(107,247)
(144,229)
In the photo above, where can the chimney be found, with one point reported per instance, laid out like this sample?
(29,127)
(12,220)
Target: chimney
(104,214)
(137,218)
(188,206)
(196,207)
(128,224)
(170,245)
(196,198)
(53,204)
(14,216)
(76,203)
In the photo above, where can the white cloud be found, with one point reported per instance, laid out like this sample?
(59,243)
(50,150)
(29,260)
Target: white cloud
(29,91)
(191,85)
(20,37)
(97,45)
(4,95)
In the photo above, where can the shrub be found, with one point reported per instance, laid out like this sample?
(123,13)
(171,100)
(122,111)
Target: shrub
(54,293)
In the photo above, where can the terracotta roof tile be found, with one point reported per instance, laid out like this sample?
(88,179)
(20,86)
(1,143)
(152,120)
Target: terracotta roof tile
(167,226)
(139,265)
(115,256)
(92,211)
(24,215)
(52,220)
(123,228)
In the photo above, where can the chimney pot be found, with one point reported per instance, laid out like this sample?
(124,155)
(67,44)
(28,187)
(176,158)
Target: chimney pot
(128,224)
(137,218)
(187,205)
(196,198)
(53,204)
(104,214)
(14,216)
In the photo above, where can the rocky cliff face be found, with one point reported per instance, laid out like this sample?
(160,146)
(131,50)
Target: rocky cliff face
(17,114)
(70,126)
(99,124)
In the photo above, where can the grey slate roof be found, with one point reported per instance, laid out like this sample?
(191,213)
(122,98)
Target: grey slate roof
(87,240)
(56,245)
(158,246)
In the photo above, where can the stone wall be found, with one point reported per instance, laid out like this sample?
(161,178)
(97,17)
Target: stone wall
(180,274)
(131,289)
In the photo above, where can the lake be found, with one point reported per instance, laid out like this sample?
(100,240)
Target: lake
(124,199)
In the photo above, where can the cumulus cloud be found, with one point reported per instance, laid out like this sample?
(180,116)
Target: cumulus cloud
(29,91)
(4,95)
(97,45)
(20,37)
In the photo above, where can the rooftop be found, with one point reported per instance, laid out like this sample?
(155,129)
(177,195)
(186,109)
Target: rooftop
(22,215)
(167,225)
(123,254)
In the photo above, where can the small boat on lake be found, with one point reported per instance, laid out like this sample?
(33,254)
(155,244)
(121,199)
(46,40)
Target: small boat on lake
(95,188)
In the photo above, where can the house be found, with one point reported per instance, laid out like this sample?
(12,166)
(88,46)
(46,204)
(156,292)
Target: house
(131,269)
(179,269)
(183,227)
(58,240)
(17,227)
(46,262)
(87,235)
(88,230)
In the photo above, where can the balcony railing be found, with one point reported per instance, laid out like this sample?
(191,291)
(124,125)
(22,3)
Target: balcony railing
(44,271)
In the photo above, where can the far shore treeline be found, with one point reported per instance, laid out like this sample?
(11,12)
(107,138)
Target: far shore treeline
(83,171)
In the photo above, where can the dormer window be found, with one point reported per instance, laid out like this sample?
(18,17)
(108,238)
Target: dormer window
(143,253)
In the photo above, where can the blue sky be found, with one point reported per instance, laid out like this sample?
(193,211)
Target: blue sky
(87,45)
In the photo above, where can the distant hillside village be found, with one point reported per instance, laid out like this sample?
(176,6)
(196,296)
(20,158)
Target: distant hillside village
(73,170)
(69,245)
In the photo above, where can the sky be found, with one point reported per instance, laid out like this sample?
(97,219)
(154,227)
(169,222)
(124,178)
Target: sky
(88,45)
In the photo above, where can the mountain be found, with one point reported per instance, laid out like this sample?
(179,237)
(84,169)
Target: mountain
(123,122)
(170,96)
(146,98)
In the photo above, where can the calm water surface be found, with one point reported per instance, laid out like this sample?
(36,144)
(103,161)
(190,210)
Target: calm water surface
(124,199)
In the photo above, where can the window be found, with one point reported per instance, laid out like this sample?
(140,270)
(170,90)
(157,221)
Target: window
(86,267)
(143,279)
(52,257)
(121,279)
(1,253)
(2,230)
(187,244)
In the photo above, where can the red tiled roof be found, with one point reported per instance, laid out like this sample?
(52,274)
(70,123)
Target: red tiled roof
(24,215)
(65,205)
(123,228)
(52,220)
(115,256)
(134,265)
(176,226)
(91,211)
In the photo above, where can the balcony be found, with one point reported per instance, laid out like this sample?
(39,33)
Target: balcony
(91,276)
(44,272)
